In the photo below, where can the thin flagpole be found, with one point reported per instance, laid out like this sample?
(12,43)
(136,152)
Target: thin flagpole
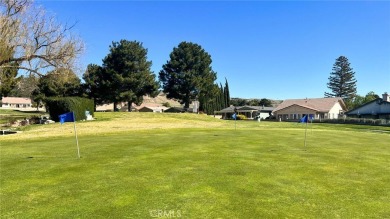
(311,125)
(235,123)
(75,132)
(306,132)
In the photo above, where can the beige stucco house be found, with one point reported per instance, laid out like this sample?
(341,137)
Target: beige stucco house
(16,102)
(317,108)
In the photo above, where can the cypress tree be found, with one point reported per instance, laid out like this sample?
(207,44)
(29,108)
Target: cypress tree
(227,94)
(222,96)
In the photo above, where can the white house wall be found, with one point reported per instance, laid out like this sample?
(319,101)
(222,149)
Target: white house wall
(334,112)
(263,115)
(293,112)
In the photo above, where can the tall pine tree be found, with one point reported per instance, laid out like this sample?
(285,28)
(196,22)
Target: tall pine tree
(8,80)
(132,77)
(342,80)
(188,75)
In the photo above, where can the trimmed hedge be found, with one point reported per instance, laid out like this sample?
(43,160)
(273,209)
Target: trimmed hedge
(60,105)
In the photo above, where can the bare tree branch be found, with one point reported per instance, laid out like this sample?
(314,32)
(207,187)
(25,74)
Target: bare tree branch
(34,39)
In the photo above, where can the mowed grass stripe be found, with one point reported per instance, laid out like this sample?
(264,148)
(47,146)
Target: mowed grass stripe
(204,173)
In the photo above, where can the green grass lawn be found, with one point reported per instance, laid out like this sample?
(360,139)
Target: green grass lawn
(11,115)
(193,166)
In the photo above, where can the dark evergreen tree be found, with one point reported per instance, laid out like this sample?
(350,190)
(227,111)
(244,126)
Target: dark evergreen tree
(222,104)
(227,94)
(96,84)
(8,80)
(57,83)
(188,75)
(342,80)
(130,75)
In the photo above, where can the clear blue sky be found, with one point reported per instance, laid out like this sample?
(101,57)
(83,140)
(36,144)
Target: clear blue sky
(266,49)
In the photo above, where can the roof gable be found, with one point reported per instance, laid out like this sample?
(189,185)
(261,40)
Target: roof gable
(317,104)
(228,109)
(298,105)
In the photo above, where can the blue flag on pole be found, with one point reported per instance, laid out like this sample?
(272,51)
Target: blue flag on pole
(304,119)
(67,117)
(234,116)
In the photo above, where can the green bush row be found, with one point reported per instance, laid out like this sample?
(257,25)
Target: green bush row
(60,105)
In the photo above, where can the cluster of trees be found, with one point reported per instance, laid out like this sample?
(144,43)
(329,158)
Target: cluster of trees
(188,76)
(251,102)
(342,83)
(218,101)
(33,42)
(358,100)
(125,75)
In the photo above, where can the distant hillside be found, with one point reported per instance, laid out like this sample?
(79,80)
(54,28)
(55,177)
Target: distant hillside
(252,102)
(158,101)
(161,99)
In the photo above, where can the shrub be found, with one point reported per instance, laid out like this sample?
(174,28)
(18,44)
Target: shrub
(241,117)
(60,105)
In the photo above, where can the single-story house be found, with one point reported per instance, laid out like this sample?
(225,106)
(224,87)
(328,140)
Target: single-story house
(226,113)
(249,111)
(376,109)
(317,108)
(255,111)
(153,109)
(16,102)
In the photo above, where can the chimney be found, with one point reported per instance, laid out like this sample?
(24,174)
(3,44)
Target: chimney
(386,97)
